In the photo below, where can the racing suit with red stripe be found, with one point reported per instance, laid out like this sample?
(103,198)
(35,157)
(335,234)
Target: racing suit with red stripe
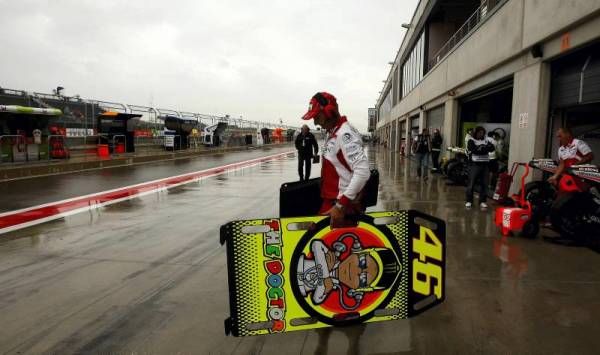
(345,169)
(573,152)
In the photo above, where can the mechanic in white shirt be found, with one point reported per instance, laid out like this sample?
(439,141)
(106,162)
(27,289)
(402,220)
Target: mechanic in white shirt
(571,152)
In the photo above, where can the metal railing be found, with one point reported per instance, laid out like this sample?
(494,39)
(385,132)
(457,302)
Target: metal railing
(80,113)
(480,15)
(194,142)
(140,141)
(90,108)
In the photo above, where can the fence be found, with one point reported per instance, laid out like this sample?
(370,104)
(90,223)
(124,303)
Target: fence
(480,15)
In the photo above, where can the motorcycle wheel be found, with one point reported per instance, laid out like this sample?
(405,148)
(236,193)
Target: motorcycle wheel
(540,194)
(445,166)
(570,214)
(501,132)
(530,229)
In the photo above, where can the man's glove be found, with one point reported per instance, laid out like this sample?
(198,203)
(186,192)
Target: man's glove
(341,215)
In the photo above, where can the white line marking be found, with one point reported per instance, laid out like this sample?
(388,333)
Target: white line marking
(94,205)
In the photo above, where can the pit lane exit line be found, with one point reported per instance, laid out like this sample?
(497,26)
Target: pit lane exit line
(30,216)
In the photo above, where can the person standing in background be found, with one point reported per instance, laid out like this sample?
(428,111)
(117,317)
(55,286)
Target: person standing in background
(478,149)
(468,136)
(436,149)
(421,149)
(493,165)
(306,143)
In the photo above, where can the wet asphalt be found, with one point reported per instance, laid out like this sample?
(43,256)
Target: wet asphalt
(50,188)
(148,276)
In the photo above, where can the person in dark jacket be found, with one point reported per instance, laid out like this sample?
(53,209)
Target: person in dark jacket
(436,149)
(494,165)
(421,148)
(478,148)
(306,143)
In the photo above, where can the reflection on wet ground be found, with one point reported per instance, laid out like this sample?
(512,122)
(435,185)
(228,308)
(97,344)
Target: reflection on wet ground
(148,276)
(53,188)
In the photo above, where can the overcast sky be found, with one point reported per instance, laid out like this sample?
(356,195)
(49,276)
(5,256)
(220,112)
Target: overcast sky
(262,60)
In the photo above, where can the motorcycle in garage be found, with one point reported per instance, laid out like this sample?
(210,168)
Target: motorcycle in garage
(576,214)
(541,194)
(457,168)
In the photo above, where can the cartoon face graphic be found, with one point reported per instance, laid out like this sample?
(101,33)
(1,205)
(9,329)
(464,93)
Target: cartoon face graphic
(345,267)
(358,271)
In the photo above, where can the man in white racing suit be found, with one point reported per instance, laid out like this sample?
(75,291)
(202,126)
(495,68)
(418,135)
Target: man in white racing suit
(571,152)
(345,169)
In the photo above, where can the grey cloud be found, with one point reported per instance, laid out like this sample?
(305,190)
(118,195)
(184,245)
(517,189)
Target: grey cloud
(259,59)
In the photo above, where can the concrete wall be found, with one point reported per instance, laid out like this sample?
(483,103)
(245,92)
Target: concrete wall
(411,31)
(477,54)
(498,39)
(529,114)
(421,6)
(498,50)
(500,46)
(450,128)
(528,127)
(545,18)
(398,134)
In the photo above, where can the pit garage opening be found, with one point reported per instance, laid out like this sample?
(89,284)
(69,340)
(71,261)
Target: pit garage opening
(393,137)
(575,99)
(117,132)
(434,119)
(490,108)
(26,135)
(414,126)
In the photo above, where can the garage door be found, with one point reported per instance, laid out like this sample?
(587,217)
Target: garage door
(575,98)
(414,126)
(576,80)
(435,118)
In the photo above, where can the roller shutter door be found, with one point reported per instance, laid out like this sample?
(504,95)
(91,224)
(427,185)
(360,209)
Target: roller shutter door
(576,80)
(435,118)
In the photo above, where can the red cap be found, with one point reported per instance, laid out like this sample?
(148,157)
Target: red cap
(318,103)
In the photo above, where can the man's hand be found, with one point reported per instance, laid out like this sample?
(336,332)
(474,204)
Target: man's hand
(553,180)
(337,217)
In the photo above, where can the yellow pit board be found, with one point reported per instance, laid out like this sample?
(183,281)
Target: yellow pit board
(288,274)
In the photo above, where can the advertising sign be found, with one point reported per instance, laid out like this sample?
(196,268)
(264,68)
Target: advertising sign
(79,132)
(169,141)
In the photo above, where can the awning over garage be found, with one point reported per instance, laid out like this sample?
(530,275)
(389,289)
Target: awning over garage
(30,110)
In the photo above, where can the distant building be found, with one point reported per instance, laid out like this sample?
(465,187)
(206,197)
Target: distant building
(372,119)
(518,66)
